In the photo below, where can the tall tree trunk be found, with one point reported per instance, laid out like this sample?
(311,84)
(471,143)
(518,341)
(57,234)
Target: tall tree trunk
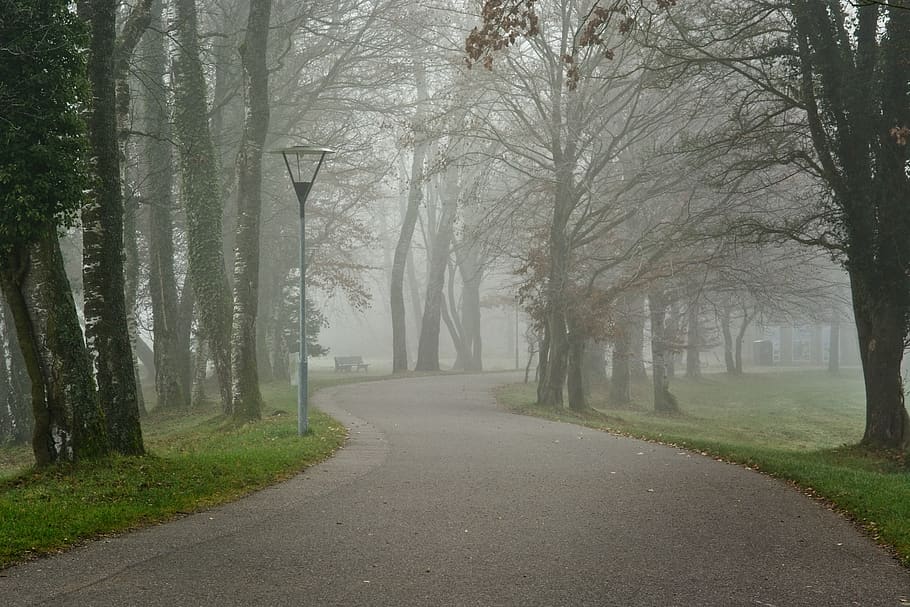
(413,286)
(172,386)
(131,286)
(202,199)
(185,311)
(402,249)
(672,334)
(68,421)
(856,100)
(200,367)
(553,377)
(727,331)
(19,384)
(7,421)
(740,335)
(879,326)
(450,315)
(620,371)
(637,337)
(244,370)
(471,276)
(106,329)
(17,377)
(227,119)
(428,346)
(575,369)
(693,339)
(664,401)
(133,30)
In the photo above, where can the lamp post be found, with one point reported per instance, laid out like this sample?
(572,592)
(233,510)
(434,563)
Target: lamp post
(517,301)
(303,163)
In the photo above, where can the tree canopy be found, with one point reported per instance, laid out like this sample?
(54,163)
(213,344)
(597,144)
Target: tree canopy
(43,87)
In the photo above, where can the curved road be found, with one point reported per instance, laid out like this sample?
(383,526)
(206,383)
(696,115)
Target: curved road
(441,499)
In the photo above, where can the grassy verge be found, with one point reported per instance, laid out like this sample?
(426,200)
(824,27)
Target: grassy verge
(795,426)
(196,460)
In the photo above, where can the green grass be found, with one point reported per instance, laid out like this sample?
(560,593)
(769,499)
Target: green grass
(196,460)
(798,426)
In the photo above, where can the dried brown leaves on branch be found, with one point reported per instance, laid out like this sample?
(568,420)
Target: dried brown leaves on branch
(504,22)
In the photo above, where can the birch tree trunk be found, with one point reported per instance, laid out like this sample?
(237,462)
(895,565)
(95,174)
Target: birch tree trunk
(106,330)
(244,370)
(17,377)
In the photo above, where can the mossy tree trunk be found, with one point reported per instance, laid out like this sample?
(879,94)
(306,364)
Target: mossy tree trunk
(106,328)
(202,197)
(246,397)
(69,424)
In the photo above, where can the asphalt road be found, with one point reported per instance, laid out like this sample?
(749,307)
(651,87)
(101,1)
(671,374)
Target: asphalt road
(442,499)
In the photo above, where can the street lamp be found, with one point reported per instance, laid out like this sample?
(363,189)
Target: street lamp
(303,163)
(517,301)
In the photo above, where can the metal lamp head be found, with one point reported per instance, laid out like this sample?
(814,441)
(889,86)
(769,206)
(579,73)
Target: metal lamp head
(303,163)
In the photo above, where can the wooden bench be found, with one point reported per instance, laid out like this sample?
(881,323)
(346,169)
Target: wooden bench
(350,363)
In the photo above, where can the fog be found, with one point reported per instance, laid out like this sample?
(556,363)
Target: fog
(604,194)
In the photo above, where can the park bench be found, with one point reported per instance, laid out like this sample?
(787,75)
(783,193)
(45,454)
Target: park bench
(350,363)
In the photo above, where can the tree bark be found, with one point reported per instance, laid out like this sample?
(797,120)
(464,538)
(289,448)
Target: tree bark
(202,199)
(664,401)
(693,340)
(740,335)
(553,376)
(133,30)
(637,337)
(69,424)
(106,330)
(575,370)
(620,372)
(879,324)
(402,249)
(469,267)
(244,370)
(7,421)
(171,382)
(856,101)
(19,384)
(428,346)
(185,317)
(200,367)
(727,331)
